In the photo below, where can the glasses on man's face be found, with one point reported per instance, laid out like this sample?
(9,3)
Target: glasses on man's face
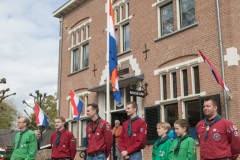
(20,122)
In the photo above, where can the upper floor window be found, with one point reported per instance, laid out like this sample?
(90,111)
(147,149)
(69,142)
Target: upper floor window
(169,11)
(125,37)
(187,12)
(122,24)
(166,19)
(80,39)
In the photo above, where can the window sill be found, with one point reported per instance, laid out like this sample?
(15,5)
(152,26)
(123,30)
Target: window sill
(123,53)
(81,70)
(176,32)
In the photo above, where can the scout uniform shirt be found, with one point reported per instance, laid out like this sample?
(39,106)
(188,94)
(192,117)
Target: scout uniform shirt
(63,144)
(183,148)
(133,136)
(218,138)
(99,136)
(161,149)
(25,146)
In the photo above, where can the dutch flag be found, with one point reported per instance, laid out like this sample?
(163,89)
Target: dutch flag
(76,104)
(113,56)
(40,117)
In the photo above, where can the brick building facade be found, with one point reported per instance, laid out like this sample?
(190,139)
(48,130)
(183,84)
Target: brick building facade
(158,41)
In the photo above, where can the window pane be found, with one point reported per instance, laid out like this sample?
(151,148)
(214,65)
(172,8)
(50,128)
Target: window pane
(196,79)
(76,60)
(174,81)
(185,82)
(193,115)
(164,85)
(166,16)
(83,133)
(126,37)
(117,15)
(85,55)
(187,12)
(171,113)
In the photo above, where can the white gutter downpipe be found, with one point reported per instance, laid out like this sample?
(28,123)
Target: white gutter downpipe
(220,42)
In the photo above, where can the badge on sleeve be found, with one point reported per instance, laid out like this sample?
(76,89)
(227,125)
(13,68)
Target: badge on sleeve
(108,127)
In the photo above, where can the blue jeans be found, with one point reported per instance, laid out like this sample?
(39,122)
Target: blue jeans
(136,156)
(98,157)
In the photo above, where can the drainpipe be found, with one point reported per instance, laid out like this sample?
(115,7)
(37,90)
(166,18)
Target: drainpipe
(60,64)
(220,43)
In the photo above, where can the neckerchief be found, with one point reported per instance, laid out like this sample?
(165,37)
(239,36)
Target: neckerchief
(176,150)
(95,128)
(208,124)
(130,125)
(20,139)
(161,140)
(58,138)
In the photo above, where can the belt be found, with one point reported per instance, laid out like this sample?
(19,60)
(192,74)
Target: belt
(135,152)
(95,154)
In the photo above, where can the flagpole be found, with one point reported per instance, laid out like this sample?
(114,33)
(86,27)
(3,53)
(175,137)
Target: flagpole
(108,75)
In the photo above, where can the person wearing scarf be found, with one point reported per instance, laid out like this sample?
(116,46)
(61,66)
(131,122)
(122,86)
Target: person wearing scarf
(25,141)
(161,147)
(133,136)
(183,147)
(62,141)
(219,138)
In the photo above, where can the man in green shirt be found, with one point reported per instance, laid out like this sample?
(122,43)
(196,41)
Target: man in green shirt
(25,141)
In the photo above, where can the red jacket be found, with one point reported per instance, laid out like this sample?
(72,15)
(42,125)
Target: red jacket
(66,147)
(99,137)
(223,140)
(138,139)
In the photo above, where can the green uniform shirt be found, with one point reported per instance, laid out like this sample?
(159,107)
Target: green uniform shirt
(161,152)
(25,146)
(187,150)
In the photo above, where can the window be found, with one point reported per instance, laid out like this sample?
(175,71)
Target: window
(112,102)
(125,37)
(80,37)
(187,12)
(174,84)
(193,115)
(83,135)
(196,79)
(166,19)
(75,60)
(171,113)
(185,82)
(152,117)
(85,53)
(122,28)
(164,87)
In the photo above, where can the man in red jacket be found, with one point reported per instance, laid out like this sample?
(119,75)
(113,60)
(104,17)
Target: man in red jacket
(63,142)
(219,138)
(133,136)
(99,135)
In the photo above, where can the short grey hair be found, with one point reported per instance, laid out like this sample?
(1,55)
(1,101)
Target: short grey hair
(117,121)
(26,120)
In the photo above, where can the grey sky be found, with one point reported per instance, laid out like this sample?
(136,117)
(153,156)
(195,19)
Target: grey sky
(29,46)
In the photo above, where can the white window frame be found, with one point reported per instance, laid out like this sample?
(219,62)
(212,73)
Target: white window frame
(121,36)
(159,4)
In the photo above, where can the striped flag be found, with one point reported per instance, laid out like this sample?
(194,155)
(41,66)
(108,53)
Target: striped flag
(40,117)
(113,56)
(214,71)
(77,105)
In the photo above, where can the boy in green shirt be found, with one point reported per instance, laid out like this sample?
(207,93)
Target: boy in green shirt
(161,147)
(183,147)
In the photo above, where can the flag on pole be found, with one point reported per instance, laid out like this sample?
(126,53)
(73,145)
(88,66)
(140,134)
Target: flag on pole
(214,71)
(113,55)
(40,117)
(76,104)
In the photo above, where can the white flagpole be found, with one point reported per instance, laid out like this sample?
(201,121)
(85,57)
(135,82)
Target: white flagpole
(108,116)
